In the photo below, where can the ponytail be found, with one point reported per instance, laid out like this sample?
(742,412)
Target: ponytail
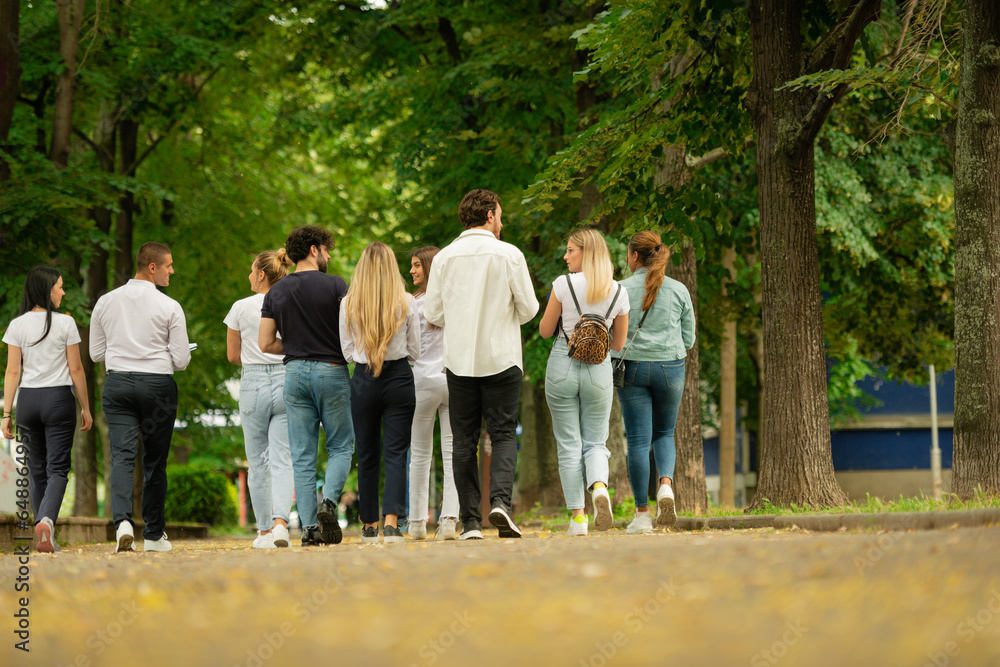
(653,255)
(274,264)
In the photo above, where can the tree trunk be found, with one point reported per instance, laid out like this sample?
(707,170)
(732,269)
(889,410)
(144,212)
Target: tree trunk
(10,73)
(796,464)
(727,394)
(538,476)
(690,490)
(70,13)
(124,270)
(976,458)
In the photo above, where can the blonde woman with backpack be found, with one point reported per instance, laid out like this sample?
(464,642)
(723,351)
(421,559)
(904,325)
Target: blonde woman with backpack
(588,314)
(380,334)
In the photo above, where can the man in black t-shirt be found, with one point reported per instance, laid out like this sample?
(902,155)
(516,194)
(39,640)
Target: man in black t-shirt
(304,308)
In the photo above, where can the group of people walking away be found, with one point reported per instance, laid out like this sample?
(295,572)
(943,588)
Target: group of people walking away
(452,349)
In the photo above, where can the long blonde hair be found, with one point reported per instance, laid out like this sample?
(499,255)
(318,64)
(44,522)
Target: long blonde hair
(376,303)
(597,268)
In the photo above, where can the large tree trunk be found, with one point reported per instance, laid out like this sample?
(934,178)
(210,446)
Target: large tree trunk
(10,73)
(976,458)
(95,284)
(70,13)
(796,464)
(129,136)
(538,476)
(689,471)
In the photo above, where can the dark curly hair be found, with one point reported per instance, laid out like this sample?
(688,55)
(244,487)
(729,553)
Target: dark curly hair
(476,206)
(302,238)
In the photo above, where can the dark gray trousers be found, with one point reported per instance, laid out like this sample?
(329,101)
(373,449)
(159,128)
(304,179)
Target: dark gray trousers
(140,405)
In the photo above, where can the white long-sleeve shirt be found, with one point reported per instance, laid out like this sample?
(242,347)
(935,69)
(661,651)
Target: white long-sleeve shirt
(480,292)
(138,329)
(404,343)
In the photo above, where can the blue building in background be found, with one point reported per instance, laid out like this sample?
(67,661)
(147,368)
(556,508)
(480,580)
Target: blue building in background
(886,453)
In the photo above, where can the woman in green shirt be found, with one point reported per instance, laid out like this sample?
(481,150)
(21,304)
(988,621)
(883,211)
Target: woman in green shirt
(661,330)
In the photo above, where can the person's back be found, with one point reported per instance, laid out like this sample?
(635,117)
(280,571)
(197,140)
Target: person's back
(142,329)
(306,309)
(669,329)
(480,291)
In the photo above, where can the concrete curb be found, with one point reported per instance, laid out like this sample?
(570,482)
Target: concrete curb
(84,529)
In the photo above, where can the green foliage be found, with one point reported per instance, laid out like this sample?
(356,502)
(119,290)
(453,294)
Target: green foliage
(201,494)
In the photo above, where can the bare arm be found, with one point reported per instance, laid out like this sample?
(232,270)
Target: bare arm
(233,345)
(550,320)
(619,332)
(268,338)
(10,381)
(79,383)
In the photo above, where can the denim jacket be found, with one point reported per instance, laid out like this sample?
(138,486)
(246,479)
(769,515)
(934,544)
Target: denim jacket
(669,329)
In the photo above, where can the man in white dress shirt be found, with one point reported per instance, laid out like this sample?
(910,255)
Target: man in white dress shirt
(141,335)
(480,292)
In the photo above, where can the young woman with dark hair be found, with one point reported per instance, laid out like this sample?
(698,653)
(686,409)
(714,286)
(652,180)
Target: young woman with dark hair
(432,397)
(661,330)
(44,358)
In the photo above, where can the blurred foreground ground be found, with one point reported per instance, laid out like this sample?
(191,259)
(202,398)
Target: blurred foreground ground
(712,598)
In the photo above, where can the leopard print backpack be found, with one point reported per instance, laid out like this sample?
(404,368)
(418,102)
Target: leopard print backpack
(591,338)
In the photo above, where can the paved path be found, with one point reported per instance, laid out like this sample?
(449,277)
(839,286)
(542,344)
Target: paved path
(717,598)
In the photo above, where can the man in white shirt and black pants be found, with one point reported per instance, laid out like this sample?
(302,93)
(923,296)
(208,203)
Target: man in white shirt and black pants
(141,335)
(480,292)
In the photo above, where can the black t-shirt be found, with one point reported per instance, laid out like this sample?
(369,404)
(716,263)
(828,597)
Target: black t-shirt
(306,308)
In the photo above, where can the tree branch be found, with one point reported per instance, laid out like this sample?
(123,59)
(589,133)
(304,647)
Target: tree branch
(450,40)
(834,52)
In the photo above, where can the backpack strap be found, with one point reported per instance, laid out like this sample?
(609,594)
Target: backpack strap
(613,302)
(573,294)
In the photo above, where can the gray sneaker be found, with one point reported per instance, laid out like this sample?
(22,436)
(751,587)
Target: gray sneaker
(642,523)
(418,530)
(447,528)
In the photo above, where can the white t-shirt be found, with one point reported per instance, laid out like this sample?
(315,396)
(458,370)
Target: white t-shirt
(44,364)
(428,371)
(244,317)
(570,315)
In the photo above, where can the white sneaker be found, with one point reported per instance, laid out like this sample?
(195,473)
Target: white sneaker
(417,530)
(603,519)
(280,534)
(446,528)
(642,523)
(577,529)
(45,536)
(667,515)
(157,545)
(262,541)
(125,537)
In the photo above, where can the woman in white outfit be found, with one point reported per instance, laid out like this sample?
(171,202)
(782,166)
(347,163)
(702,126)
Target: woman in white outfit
(262,406)
(432,397)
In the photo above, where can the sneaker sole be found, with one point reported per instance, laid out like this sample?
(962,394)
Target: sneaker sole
(281,543)
(125,543)
(666,515)
(471,535)
(503,524)
(393,540)
(44,538)
(329,526)
(369,540)
(603,519)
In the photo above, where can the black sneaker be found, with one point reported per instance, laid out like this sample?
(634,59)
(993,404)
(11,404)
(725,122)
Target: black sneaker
(369,535)
(392,535)
(328,522)
(471,530)
(312,537)
(500,518)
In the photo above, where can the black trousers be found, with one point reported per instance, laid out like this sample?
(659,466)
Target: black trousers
(46,422)
(382,411)
(140,404)
(494,398)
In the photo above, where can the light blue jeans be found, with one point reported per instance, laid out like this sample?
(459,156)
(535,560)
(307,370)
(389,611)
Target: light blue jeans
(579,397)
(318,392)
(650,401)
(265,434)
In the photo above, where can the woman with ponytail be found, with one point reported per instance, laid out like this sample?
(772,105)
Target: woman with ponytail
(579,393)
(380,334)
(661,330)
(45,349)
(262,405)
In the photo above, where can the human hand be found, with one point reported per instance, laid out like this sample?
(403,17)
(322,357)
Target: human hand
(8,431)
(88,421)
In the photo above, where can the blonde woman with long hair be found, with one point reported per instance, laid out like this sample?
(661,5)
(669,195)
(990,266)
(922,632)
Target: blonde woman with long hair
(579,394)
(380,334)
(263,414)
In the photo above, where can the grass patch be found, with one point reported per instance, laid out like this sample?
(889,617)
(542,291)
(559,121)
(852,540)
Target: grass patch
(871,505)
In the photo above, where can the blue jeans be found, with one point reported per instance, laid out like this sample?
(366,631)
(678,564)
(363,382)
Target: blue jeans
(318,392)
(265,435)
(579,397)
(650,400)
